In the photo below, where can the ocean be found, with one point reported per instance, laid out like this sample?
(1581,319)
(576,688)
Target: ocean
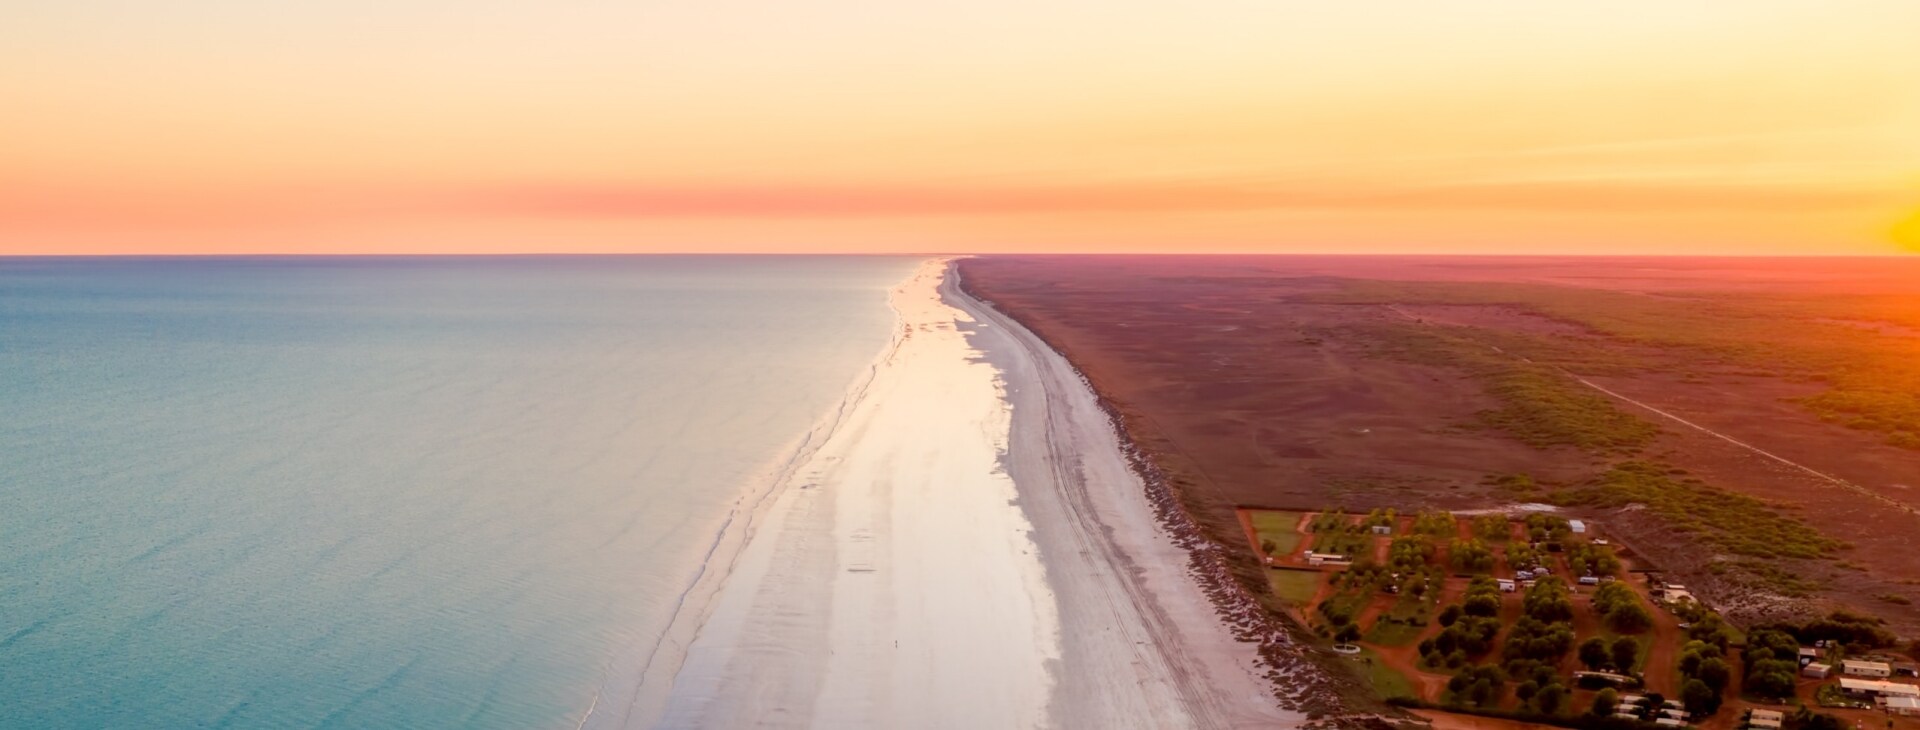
(385,492)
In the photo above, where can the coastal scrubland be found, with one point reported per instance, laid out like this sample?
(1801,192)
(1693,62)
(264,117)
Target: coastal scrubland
(1746,426)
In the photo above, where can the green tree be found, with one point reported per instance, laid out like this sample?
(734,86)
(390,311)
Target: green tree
(1594,654)
(1630,618)
(1481,693)
(1699,698)
(1550,698)
(1482,605)
(1347,634)
(1605,701)
(1715,673)
(1626,653)
(1526,690)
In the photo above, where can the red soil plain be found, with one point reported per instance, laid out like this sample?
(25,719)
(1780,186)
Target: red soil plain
(1312,382)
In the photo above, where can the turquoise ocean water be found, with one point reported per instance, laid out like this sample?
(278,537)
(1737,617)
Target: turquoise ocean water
(384,492)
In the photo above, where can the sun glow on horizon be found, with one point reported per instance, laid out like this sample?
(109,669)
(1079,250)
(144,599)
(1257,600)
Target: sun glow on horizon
(430,126)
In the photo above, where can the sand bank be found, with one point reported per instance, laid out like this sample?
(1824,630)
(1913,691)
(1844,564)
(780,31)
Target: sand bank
(966,548)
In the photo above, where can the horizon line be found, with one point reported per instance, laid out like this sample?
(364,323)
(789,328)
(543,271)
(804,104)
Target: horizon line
(932,254)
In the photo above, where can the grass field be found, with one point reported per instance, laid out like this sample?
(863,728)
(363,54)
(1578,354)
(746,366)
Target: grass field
(1386,681)
(1393,633)
(1295,586)
(1279,528)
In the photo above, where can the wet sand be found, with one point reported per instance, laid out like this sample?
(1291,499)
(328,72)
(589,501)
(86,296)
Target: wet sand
(966,548)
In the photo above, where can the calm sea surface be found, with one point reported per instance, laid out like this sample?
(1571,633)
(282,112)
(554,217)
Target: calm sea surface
(384,492)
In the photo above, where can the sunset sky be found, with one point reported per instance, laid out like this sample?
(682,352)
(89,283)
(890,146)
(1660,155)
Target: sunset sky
(350,126)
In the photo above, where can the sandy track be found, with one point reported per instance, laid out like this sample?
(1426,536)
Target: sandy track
(967,548)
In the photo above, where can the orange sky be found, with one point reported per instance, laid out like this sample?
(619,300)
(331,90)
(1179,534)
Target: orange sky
(202,126)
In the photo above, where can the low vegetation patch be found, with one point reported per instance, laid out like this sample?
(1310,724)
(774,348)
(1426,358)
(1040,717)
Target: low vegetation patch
(1871,377)
(1736,523)
(1539,404)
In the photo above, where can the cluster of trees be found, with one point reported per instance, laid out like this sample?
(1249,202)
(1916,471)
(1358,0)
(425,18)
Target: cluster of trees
(1773,663)
(1492,528)
(1705,625)
(1339,624)
(1706,673)
(1522,556)
(1409,554)
(1619,607)
(1548,601)
(1364,573)
(1620,655)
(1479,685)
(1589,559)
(1543,527)
(1468,628)
(1548,698)
(1534,639)
(1850,629)
(1379,518)
(1437,524)
(1407,568)
(1545,632)
(1773,651)
(1471,556)
(1539,687)
(1333,520)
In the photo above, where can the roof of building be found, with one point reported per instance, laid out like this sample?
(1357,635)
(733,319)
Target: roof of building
(1767,715)
(1903,703)
(1885,688)
(1766,723)
(1862,664)
(1669,722)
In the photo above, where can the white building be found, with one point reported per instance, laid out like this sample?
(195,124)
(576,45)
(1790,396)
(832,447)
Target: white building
(1578,527)
(1866,669)
(1876,688)
(1907,706)
(1817,670)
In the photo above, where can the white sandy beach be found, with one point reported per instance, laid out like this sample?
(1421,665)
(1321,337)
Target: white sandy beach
(965,548)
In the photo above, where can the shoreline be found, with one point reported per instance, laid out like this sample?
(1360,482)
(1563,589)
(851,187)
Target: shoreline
(1080,467)
(970,545)
(1296,681)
